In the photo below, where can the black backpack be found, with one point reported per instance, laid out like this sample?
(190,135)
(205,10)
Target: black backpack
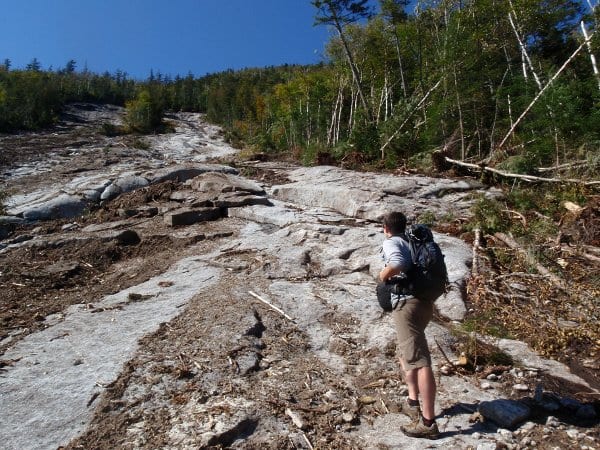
(428,278)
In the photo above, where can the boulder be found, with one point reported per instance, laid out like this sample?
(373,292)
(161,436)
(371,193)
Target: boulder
(224,182)
(130,183)
(505,413)
(111,191)
(62,206)
(234,200)
(183,173)
(189,216)
(123,184)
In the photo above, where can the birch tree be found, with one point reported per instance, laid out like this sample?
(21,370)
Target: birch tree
(340,13)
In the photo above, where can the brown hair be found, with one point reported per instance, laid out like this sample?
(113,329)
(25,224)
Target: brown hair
(395,222)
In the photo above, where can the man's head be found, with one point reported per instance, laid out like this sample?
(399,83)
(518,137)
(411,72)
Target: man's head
(395,223)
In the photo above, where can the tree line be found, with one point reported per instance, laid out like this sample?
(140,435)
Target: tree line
(511,84)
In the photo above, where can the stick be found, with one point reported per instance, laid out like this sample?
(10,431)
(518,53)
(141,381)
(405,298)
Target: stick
(476,247)
(541,269)
(589,256)
(443,353)
(307,441)
(258,297)
(518,214)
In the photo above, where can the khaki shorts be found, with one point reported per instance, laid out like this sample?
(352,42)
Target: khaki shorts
(410,321)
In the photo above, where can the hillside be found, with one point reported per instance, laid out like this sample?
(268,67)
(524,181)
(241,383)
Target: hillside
(140,277)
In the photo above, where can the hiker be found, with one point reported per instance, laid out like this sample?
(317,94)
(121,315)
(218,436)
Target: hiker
(411,317)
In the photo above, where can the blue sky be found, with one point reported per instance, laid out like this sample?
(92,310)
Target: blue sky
(170,36)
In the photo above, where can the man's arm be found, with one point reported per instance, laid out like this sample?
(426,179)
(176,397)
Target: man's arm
(397,259)
(388,272)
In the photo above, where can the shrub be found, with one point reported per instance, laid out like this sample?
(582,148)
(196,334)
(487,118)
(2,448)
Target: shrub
(488,216)
(144,114)
(110,130)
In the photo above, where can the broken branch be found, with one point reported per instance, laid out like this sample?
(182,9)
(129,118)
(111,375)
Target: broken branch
(275,308)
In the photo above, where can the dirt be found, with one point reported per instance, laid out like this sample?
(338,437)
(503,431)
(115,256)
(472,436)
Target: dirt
(222,356)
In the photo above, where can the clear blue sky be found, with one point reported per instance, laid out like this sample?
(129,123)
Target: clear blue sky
(170,36)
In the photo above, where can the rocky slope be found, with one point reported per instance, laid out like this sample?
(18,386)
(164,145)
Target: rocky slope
(158,294)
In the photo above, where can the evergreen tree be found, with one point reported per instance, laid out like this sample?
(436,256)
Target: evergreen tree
(34,66)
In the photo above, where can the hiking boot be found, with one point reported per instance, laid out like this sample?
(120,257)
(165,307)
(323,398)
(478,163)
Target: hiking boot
(419,430)
(414,412)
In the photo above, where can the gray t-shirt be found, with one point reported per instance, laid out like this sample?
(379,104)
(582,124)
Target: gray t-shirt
(396,253)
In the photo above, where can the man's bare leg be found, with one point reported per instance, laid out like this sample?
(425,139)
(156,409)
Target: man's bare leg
(426,387)
(413,383)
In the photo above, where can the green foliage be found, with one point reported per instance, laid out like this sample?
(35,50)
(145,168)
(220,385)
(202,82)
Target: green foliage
(308,156)
(144,113)
(486,325)
(28,100)
(488,215)
(365,139)
(110,130)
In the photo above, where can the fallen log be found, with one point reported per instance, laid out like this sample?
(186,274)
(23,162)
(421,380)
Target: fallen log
(482,168)
(579,252)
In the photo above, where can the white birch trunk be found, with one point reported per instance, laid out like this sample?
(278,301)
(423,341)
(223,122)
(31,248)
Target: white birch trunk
(589,49)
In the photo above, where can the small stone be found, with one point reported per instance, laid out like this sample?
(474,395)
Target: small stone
(486,446)
(492,377)
(552,421)
(504,433)
(446,370)
(348,417)
(331,395)
(573,433)
(296,418)
(366,400)
(485,385)
(69,226)
(527,426)
(521,387)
